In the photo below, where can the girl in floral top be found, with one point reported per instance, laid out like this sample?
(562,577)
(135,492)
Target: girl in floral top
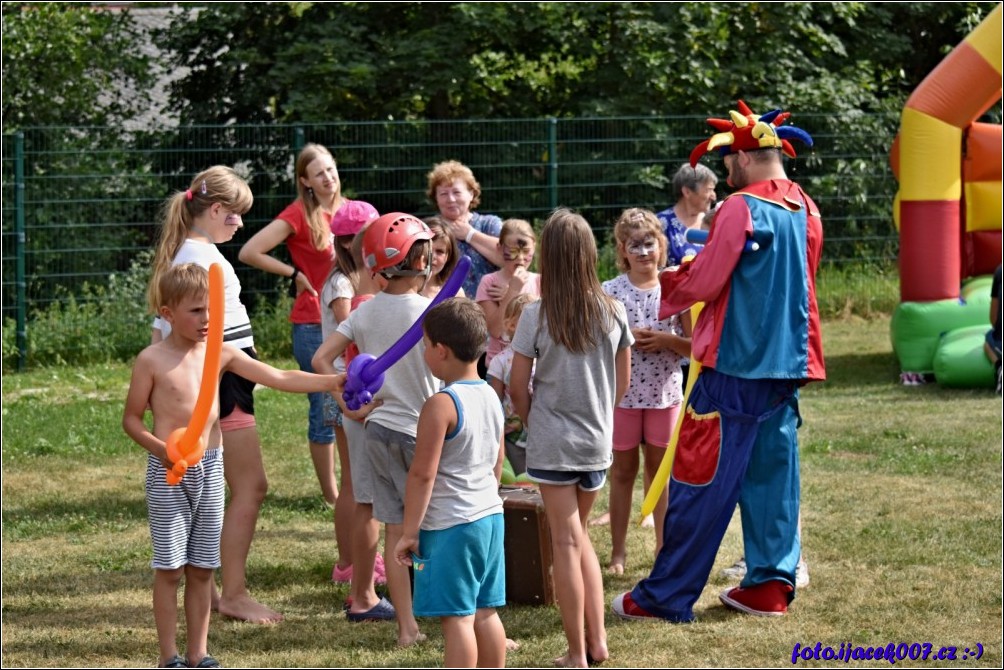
(647,414)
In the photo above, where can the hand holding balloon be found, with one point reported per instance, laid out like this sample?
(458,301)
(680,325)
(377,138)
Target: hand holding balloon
(698,236)
(185,446)
(364,376)
(181,461)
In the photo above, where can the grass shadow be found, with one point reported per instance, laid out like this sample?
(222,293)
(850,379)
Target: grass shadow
(857,370)
(47,516)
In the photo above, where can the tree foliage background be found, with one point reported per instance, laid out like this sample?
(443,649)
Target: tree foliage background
(106,143)
(248,70)
(303,62)
(82,64)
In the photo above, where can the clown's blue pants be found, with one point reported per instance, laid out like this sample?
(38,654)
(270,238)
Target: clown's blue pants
(738,444)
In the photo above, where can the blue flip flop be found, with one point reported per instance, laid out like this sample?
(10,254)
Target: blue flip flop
(382,611)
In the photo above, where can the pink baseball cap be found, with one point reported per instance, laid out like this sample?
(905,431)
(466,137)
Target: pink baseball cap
(352,216)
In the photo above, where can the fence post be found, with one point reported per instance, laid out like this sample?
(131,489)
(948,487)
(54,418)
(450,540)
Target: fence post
(298,140)
(552,161)
(19,250)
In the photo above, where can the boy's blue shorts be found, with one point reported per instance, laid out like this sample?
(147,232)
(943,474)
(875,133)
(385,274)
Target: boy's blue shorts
(461,569)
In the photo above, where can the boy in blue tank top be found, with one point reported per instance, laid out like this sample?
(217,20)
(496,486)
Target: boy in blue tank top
(453,528)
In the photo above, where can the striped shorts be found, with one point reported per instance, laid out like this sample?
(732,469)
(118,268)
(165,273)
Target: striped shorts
(186,519)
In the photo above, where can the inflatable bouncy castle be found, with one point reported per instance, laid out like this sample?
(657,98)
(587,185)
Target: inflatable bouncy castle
(948,212)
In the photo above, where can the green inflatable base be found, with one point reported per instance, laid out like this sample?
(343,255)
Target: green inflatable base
(960,361)
(917,327)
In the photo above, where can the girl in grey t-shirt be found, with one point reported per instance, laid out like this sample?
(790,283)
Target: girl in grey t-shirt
(580,340)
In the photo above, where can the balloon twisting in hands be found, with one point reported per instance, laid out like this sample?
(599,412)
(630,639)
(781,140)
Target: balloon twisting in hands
(185,446)
(386,242)
(364,376)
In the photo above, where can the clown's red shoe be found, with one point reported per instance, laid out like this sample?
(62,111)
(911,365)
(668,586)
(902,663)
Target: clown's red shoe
(625,607)
(767,599)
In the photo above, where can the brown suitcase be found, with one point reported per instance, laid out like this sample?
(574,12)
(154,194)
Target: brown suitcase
(527,547)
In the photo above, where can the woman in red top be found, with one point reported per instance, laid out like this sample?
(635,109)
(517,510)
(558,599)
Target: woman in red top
(305,227)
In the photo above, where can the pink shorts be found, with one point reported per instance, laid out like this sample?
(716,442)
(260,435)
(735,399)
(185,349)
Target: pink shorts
(650,426)
(236,420)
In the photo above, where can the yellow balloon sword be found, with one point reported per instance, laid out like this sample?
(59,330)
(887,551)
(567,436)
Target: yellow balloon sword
(661,479)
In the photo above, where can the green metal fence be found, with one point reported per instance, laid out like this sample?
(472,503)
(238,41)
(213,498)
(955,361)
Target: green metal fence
(79,204)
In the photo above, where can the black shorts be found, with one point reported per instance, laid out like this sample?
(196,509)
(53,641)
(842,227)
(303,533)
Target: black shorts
(235,391)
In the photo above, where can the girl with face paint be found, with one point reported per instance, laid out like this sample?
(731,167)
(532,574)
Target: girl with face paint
(517,243)
(647,413)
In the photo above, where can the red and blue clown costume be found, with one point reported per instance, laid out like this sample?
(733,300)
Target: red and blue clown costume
(758,339)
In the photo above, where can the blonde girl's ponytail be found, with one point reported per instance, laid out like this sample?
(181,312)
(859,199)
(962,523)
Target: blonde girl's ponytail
(217,184)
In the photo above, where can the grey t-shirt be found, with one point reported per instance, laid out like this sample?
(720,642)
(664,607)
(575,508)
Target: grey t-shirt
(572,414)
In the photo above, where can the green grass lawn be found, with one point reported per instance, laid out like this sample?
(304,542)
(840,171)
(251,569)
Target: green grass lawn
(901,505)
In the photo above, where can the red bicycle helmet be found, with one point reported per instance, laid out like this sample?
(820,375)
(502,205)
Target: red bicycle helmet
(388,240)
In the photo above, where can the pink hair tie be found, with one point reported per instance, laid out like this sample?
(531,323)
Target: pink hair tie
(188,194)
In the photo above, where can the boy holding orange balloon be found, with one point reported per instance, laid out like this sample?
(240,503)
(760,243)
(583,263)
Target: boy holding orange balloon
(186,518)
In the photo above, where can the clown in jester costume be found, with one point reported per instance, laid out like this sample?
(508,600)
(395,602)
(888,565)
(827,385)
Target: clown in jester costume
(758,340)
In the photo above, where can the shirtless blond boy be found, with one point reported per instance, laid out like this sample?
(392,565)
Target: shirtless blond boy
(186,519)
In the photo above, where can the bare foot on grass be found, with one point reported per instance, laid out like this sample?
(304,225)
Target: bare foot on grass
(246,608)
(591,659)
(567,661)
(601,520)
(410,642)
(597,654)
(511,645)
(617,563)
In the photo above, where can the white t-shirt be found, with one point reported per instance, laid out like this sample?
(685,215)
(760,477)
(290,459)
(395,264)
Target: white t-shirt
(336,286)
(236,324)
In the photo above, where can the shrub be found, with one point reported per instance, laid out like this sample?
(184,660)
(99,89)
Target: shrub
(273,334)
(97,324)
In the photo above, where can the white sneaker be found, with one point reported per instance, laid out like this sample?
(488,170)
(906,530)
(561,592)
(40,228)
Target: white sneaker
(737,571)
(801,574)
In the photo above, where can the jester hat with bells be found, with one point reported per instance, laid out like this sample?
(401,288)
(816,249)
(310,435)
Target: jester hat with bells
(746,131)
